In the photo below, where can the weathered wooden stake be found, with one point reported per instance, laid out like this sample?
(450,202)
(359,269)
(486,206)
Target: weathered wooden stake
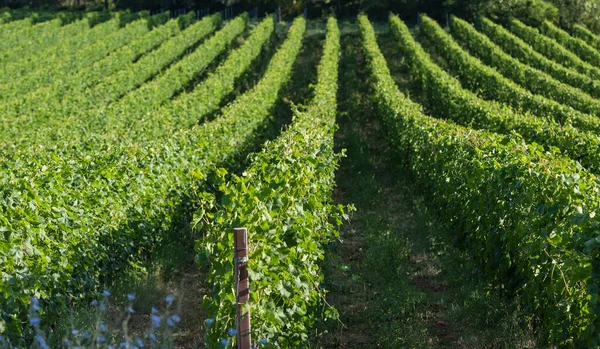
(242,287)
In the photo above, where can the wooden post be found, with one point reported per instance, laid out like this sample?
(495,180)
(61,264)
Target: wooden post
(242,287)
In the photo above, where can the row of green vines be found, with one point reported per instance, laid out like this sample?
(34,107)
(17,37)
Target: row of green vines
(527,216)
(284,200)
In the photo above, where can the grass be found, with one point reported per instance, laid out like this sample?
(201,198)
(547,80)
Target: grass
(396,277)
(172,273)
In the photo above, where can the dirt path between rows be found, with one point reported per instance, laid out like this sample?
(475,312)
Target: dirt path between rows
(395,276)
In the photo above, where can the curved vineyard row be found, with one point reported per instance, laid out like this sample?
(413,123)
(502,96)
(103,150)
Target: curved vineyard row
(575,45)
(56,112)
(151,94)
(519,49)
(48,56)
(446,97)
(137,103)
(552,49)
(190,108)
(70,32)
(38,101)
(78,58)
(515,198)
(124,195)
(284,199)
(35,28)
(492,85)
(530,78)
(585,34)
(73,83)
